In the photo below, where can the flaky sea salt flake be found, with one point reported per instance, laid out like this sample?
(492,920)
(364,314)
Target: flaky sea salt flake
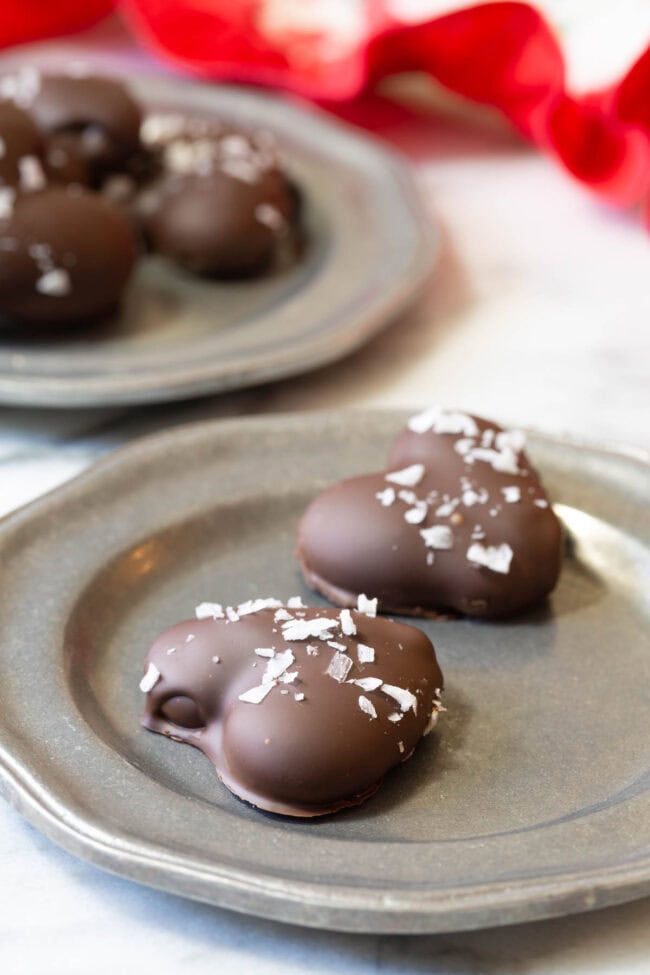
(494,557)
(365,654)
(150,679)
(348,626)
(206,611)
(257,694)
(404,698)
(367,606)
(408,476)
(367,706)
(339,667)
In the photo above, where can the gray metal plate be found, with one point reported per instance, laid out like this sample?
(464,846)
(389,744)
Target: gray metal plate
(369,249)
(531,800)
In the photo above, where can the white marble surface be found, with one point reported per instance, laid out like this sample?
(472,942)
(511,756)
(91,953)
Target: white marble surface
(537,315)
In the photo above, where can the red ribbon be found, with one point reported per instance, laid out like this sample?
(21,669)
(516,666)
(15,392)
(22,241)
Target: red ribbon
(502,54)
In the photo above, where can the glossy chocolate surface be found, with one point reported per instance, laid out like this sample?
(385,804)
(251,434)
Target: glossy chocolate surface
(21,147)
(98,114)
(301,710)
(458,523)
(65,256)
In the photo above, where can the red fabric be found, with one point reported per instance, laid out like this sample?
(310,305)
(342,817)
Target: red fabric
(502,54)
(29,20)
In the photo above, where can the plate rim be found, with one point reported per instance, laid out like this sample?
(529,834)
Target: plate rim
(297,901)
(167,382)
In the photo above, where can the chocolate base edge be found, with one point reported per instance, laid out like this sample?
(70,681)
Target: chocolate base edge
(343,597)
(259,802)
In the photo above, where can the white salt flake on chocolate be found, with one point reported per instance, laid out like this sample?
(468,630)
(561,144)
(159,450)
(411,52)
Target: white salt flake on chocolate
(494,557)
(216,660)
(288,678)
(348,626)
(395,717)
(337,646)
(438,537)
(270,216)
(367,706)
(404,698)
(339,667)
(55,283)
(295,602)
(439,420)
(408,476)
(150,679)
(447,508)
(540,503)
(171,650)
(312,651)
(257,694)
(264,651)
(31,175)
(241,169)
(189,638)
(365,654)
(319,627)
(299,697)
(368,683)
(206,611)
(7,200)
(511,493)
(277,666)
(430,558)
(470,497)
(386,497)
(367,606)
(257,605)
(282,615)
(510,440)
(21,87)
(415,516)
(232,614)
(234,144)
(409,497)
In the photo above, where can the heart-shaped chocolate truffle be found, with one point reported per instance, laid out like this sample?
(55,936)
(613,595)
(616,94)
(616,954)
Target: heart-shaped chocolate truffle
(301,710)
(459,522)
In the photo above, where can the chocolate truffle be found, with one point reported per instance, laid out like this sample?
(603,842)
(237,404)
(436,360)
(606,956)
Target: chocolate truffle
(21,150)
(97,114)
(65,257)
(222,204)
(458,523)
(301,710)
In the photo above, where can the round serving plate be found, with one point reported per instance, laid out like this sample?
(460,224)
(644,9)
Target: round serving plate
(531,799)
(368,249)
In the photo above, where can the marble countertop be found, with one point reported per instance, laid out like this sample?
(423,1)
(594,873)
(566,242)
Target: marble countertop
(537,315)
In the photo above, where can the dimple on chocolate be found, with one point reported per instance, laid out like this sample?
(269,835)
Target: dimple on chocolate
(302,710)
(459,522)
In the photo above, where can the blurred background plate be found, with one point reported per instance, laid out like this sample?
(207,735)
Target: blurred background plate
(369,248)
(531,799)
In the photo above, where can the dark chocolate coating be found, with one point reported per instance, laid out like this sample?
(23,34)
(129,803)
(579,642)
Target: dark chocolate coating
(349,542)
(65,160)
(211,224)
(99,113)
(19,138)
(65,257)
(307,748)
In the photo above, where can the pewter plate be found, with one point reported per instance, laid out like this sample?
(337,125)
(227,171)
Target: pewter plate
(368,249)
(531,800)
